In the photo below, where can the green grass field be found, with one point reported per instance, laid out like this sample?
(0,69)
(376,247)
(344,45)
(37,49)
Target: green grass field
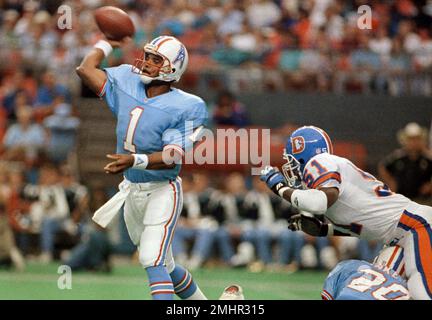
(129,282)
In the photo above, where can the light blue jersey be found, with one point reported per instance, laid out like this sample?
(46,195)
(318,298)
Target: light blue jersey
(361,280)
(145,125)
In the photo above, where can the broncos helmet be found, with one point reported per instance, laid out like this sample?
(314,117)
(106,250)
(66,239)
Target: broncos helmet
(391,259)
(175,59)
(303,144)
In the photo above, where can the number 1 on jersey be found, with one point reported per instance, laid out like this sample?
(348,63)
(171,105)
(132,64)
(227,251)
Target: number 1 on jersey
(135,114)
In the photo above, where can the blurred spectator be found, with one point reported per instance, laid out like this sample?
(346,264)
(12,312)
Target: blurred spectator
(230,19)
(24,140)
(18,90)
(228,111)
(245,40)
(14,102)
(77,195)
(398,62)
(262,13)
(289,243)
(62,128)
(381,44)
(193,228)
(409,170)
(49,90)
(8,39)
(18,207)
(23,25)
(319,253)
(38,44)
(423,52)
(49,212)
(256,219)
(368,250)
(49,94)
(95,247)
(366,64)
(221,211)
(10,255)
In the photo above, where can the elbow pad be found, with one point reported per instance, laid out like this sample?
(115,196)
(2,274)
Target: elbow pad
(311,200)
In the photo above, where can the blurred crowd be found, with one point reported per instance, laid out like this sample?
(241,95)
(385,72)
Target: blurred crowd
(251,45)
(315,45)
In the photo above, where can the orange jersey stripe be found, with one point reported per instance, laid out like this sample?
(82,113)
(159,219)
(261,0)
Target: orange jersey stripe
(410,222)
(326,177)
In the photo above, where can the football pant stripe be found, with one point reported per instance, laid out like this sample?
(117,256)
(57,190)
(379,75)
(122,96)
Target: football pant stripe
(177,214)
(166,226)
(170,225)
(326,295)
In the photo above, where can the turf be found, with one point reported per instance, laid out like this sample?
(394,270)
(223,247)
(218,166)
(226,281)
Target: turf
(129,282)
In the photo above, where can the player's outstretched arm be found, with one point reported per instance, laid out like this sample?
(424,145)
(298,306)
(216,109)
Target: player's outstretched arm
(89,71)
(154,161)
(311,200)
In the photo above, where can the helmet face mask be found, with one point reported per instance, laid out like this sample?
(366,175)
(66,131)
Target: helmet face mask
(147,60)
(292,172)
(174,60)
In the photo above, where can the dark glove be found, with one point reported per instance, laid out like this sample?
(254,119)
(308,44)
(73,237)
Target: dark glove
(310,225)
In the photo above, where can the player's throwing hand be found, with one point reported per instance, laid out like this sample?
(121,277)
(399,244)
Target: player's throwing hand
(121,163)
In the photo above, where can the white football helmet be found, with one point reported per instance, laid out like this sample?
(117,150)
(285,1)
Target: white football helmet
(391,259)
(175,59)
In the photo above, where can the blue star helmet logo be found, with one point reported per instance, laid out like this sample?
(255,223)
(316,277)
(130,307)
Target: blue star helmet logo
(180,56)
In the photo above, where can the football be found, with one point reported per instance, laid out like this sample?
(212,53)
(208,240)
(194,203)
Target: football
(114,23)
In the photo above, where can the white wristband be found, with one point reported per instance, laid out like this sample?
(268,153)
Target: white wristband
(104,46)
(140,161)
(282,190)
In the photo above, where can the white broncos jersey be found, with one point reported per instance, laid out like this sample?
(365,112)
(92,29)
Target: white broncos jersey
(366,208)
